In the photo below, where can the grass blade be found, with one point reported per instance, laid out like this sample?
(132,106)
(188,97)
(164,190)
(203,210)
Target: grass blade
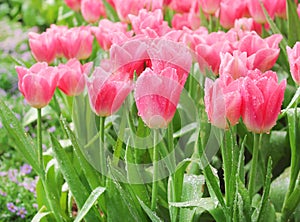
(89,203)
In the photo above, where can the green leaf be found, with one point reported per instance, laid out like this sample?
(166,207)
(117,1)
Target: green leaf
(89,203)
(79,191)
(278,189)
(31,115)
(128,207)
(293,23)
(110,11)
(40,215)
(292,103)
(90,173)
(186,129)
(152,215)
(262,211)
(23,143)
(175,185)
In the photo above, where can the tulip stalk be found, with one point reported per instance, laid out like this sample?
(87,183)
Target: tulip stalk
(102,149)
(39,138)
(255,152)
(292,197)
(155,172)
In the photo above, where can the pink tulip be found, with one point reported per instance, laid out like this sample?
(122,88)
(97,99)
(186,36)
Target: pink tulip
(130,57)
(256,11)
(77,43)
(210,6)
(262,99)
(107,91)
(43,46)
(189,20)
(264,51)
(236,64)
(91,10)
(134,6)
(248,24)
(149,20)
(223,101)
(230,10)
(294,60)
(37,84)
(57,31)
(181,6)
(164,53)
(73,4)
(208,51)
(109,32)
(72,77)
(157,96)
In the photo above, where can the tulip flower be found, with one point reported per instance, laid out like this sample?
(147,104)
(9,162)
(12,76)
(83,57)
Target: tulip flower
(157,96)
(43,46)
(237,65)
(109,32)
(134,6)
(262,99)
(210,6)
(37,84)
(77,43)
(73,4)
(223,101)
(264,51)
(230,10)
(247,24)
(130,57)
(165,53)
(294,60)
(181,6)
(107,91)
(208,54)
(91,10)
(72,76)
(57,31)
(149,20)
(256,11)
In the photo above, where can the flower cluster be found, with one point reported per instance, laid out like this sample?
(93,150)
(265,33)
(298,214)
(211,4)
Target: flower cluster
(153,45)
(17,191)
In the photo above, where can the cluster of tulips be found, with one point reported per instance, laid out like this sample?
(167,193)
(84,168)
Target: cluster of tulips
(161,58)
(125,48)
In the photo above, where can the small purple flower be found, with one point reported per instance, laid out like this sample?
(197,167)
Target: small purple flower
(25,169)
(44,147)
(2,193)
(51,129)
(35,206)
(18,116)
(22,212)
(33,135)
(12,175)
(3,174)
(1,125)
(11,207)
(26,129)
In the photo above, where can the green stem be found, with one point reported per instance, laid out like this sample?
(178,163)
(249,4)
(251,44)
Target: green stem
(291,204)
(226,171)
(102,150)
(39,139)
(54,206)
(293,132)
(255,151)
(155,172)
